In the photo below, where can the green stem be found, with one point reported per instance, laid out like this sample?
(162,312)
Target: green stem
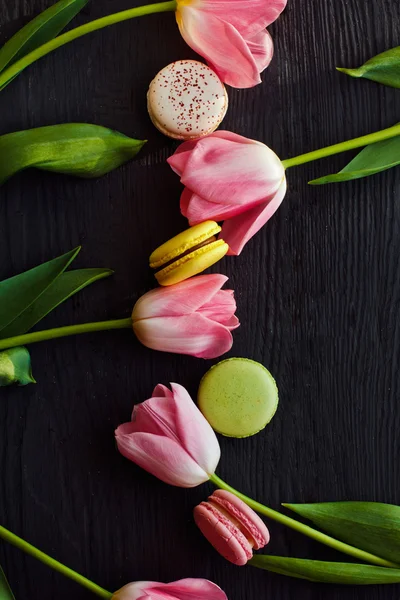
(59,332)
(13,539)
(78,32)
(360,142)
(305,529)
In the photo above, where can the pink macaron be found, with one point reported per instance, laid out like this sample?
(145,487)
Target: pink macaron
(231,526)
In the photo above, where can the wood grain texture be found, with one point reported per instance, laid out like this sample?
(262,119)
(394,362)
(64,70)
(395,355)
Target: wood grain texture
(318,293)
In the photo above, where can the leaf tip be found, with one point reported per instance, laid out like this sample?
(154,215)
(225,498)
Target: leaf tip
(350,72)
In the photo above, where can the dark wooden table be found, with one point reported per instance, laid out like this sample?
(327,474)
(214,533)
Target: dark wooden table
(318,293)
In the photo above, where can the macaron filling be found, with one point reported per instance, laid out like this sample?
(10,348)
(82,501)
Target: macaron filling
(188,254)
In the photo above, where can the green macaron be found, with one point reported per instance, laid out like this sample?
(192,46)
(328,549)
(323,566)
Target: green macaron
(238,397)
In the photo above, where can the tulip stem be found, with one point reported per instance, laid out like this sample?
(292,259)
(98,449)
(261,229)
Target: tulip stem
(13,539)
(366,140)
(59,332)
(305,529)
(15,69)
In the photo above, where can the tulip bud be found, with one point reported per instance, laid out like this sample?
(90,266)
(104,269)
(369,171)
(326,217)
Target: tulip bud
(193,317)
(15,367)
(170,438)
(230,178)
(199,589)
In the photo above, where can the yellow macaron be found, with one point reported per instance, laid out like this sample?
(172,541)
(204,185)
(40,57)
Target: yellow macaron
(188,253)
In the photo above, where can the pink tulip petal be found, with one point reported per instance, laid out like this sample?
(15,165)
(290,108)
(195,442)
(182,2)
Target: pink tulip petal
(193,589)
(220,44)
(132,591)
(232,137)
(248,16)
(232,174)
(195,433)
(180,299)
(238,230)
(189,334)
(222,309)
(161,391)
(162,457)
(186,196)
(156,416)
(185,589)
(177,161)
(262,48)
(140,590)
(198,210)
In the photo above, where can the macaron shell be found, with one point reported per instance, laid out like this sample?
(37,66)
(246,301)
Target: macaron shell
(183,242)
(250,522)
(238,397)
(222,534)
(192,264)
(187,100)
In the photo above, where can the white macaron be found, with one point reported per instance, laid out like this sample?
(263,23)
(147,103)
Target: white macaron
(187,100)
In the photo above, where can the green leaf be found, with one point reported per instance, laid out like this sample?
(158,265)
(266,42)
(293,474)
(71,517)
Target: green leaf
(370,526)
(40,30)
(384,68)
(326,572)
(77,149)
(15,367)
(373,159)
(5,590)
(65,286)
(19,292)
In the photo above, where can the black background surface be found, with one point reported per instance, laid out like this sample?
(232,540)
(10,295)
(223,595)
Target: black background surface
(318,294)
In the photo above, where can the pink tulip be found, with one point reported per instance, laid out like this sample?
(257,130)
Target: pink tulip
(229,178)
(170,438)
(185,589)
(193,317)
(231,35)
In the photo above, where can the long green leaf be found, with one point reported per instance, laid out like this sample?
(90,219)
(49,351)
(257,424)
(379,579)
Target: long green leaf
(65,286)
(19,292)
(77,149)
(370,161)
(5,590)
(40,30)
(371,526)
(384,68)
(326,572)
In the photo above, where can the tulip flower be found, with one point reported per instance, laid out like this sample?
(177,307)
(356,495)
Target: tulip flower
(232,179)
(170,438)
(231,35)
(192,317)
(185,589)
